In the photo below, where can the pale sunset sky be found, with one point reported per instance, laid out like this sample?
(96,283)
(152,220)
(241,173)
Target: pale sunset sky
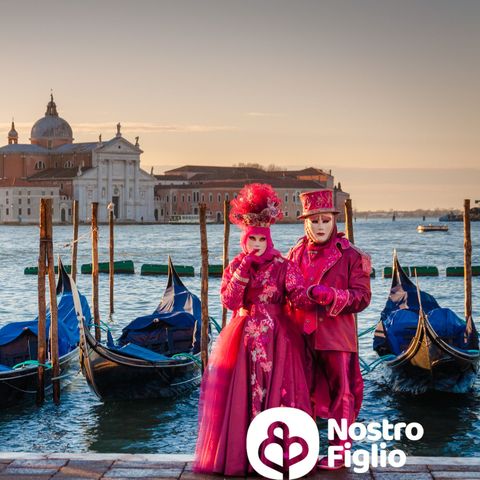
(385,93)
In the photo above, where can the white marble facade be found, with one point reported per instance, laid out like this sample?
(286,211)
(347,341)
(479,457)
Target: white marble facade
(116,177)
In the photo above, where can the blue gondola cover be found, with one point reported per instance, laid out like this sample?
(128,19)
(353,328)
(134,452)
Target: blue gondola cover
(175,322)
(68,332)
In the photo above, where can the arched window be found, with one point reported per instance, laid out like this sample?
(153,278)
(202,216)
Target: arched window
(68,164)
(219,197)
(40,165)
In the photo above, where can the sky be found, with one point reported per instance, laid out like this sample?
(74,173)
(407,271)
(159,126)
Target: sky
(385,93)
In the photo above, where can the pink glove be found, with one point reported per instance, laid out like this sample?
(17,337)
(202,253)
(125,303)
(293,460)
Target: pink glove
(322,294)
(246,263)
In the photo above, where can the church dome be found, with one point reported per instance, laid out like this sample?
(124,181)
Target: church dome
(51,129)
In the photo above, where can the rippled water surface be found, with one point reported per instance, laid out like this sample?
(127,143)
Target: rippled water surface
(82,423)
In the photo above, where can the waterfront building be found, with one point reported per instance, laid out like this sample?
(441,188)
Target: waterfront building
(20,201)
(98,171)
(180,190)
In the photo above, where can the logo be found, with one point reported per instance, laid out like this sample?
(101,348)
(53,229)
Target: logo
(283,443)
(377,456)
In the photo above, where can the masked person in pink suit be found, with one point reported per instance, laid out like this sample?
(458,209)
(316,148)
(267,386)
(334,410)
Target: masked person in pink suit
(339,275)
(258,361)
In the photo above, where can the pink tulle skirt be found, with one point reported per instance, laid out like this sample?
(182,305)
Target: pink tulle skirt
(258,362)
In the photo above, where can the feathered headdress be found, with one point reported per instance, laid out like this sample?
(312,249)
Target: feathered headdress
(257,205)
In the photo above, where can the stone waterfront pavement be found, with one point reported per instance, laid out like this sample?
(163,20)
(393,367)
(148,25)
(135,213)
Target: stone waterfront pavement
(30,466)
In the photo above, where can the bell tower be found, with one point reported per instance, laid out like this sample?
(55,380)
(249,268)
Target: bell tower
(12,135)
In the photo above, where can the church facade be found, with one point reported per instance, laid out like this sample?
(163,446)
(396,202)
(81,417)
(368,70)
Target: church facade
(52,165)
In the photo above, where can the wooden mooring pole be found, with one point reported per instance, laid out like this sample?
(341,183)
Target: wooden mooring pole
(349,220)
(96,313)
(467,263)
(42,334)
(53,304)
(75,241)
(111,269)
(204,285)
(226,239)
(350,237)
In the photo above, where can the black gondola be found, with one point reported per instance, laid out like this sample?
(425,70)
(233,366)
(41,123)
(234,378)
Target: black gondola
(18,347)
(157,355)
(425,347)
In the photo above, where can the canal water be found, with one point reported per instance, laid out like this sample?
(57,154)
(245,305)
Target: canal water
(84,424)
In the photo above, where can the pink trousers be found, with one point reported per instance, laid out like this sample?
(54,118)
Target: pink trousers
(338,386)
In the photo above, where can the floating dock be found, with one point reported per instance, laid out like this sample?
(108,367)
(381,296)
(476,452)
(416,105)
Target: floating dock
(162,269)
(124,266)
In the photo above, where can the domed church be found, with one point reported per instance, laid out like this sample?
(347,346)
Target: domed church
(52,165)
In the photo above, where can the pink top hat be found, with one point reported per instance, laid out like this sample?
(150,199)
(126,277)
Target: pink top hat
(317,201)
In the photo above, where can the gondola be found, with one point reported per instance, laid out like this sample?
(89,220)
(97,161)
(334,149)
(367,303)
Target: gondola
(18,347)
(156,356)
(424,347)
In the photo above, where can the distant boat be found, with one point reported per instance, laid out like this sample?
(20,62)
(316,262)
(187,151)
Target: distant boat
(451,217)
(432,228)
(458,217)
(188,219)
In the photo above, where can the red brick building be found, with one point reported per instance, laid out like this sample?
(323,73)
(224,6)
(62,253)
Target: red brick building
(180,190)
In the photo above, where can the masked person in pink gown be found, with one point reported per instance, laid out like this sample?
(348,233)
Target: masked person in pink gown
(258,361)
(339,275)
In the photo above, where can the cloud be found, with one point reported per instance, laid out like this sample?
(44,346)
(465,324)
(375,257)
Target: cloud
(145,127)
(136,127)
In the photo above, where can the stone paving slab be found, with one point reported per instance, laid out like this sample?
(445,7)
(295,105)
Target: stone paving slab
(60,476)
(401,476)
(452,468)
(406,469)
(343,474)
(89,465)
(64,466)
(115,472)
(28,471)
(26,477)
(439,475)
(42,463)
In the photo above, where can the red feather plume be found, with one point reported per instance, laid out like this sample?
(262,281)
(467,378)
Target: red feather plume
(257,204)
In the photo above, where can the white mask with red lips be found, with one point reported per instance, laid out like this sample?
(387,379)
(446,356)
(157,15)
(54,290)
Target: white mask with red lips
(319,228)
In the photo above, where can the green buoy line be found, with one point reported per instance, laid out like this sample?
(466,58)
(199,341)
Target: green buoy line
(216,270)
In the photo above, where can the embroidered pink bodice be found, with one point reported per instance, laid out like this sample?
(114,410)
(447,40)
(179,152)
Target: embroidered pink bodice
(273,282)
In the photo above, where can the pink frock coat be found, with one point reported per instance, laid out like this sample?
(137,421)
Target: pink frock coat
(331,328)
